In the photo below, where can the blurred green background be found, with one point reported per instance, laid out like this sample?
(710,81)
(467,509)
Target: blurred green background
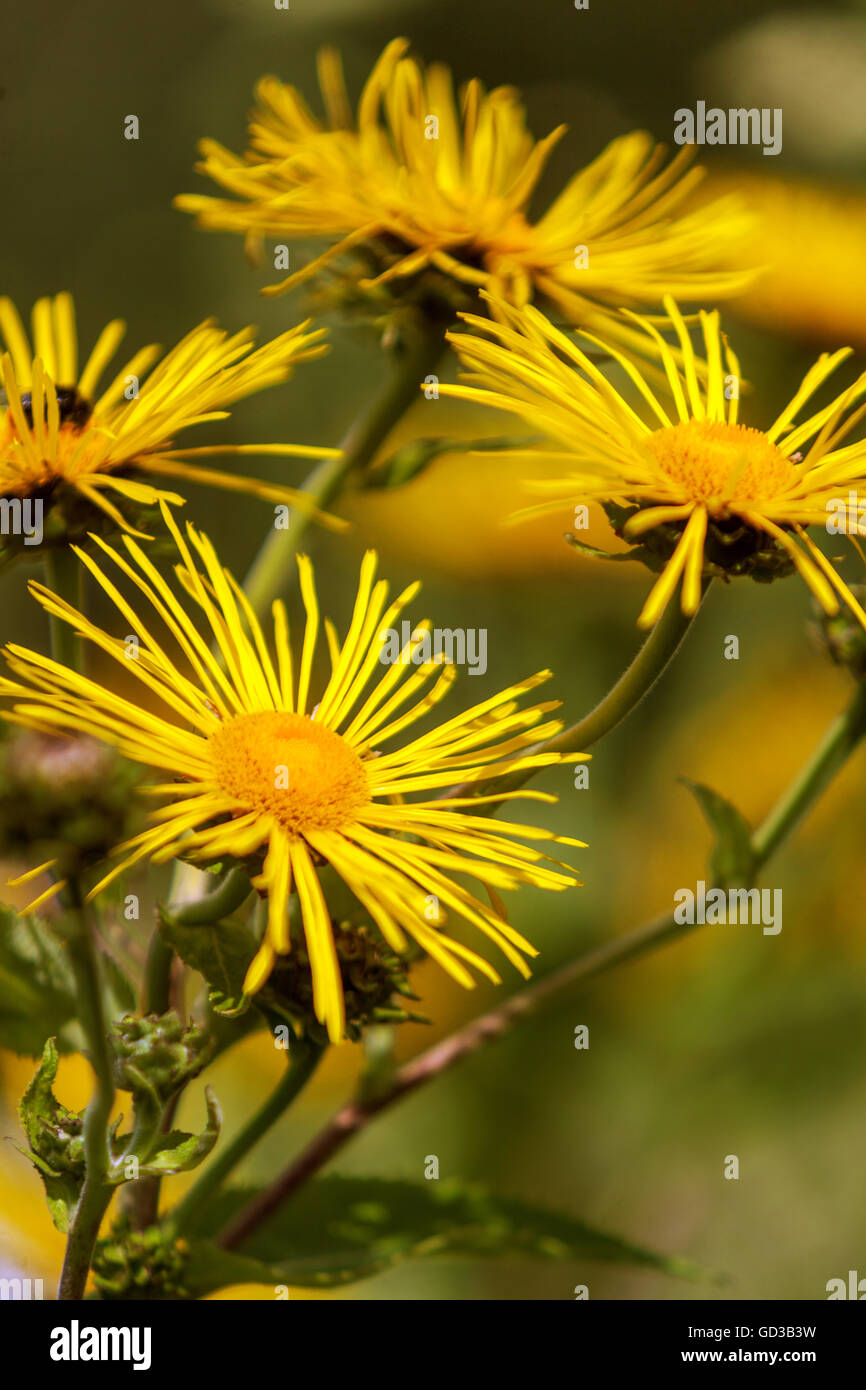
(727,1043)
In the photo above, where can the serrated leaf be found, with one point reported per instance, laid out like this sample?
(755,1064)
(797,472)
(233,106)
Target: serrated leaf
(179,1151)
(732,859)
(54,1136)
(220,951)
(341,1230)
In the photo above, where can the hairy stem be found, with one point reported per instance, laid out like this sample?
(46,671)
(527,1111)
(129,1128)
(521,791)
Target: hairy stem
(635,682)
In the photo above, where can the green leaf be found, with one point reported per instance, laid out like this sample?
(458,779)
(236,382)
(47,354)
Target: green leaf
(220,951)
(209,1268)
(179,1151)
(344,1229)
(55,1138)
(732,859)
(37,990)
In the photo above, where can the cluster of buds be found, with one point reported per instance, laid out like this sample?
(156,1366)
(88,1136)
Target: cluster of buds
(149,1264)
(157,1054)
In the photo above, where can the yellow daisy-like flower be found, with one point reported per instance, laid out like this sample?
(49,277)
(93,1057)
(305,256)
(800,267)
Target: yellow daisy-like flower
(434,183)
(59,439)
(267,772)
(703,491)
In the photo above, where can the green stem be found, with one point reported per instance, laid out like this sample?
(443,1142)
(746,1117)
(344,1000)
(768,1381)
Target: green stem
(96,1192)
(842,738)
(226,898)
(139,1200)
(421,346)
(831,754)
(633,685)
(156,994)
(304,1060)
(64,575)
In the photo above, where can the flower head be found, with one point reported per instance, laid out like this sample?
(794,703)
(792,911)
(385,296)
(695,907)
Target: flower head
(263,772)
(431,183)
(63,442)
(705,493)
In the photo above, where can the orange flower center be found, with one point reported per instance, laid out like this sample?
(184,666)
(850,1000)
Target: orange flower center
(713,462)
(290,767)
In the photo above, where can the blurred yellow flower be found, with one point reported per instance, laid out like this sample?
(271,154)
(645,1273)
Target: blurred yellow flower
(435,183)
(811,240)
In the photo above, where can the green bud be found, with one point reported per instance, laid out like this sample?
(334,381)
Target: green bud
(345,287)
(158,1054)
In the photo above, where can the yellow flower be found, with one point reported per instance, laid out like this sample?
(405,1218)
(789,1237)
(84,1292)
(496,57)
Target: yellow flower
(433,184)
(705,492)
(264,771)
(811,239)
(61,441)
